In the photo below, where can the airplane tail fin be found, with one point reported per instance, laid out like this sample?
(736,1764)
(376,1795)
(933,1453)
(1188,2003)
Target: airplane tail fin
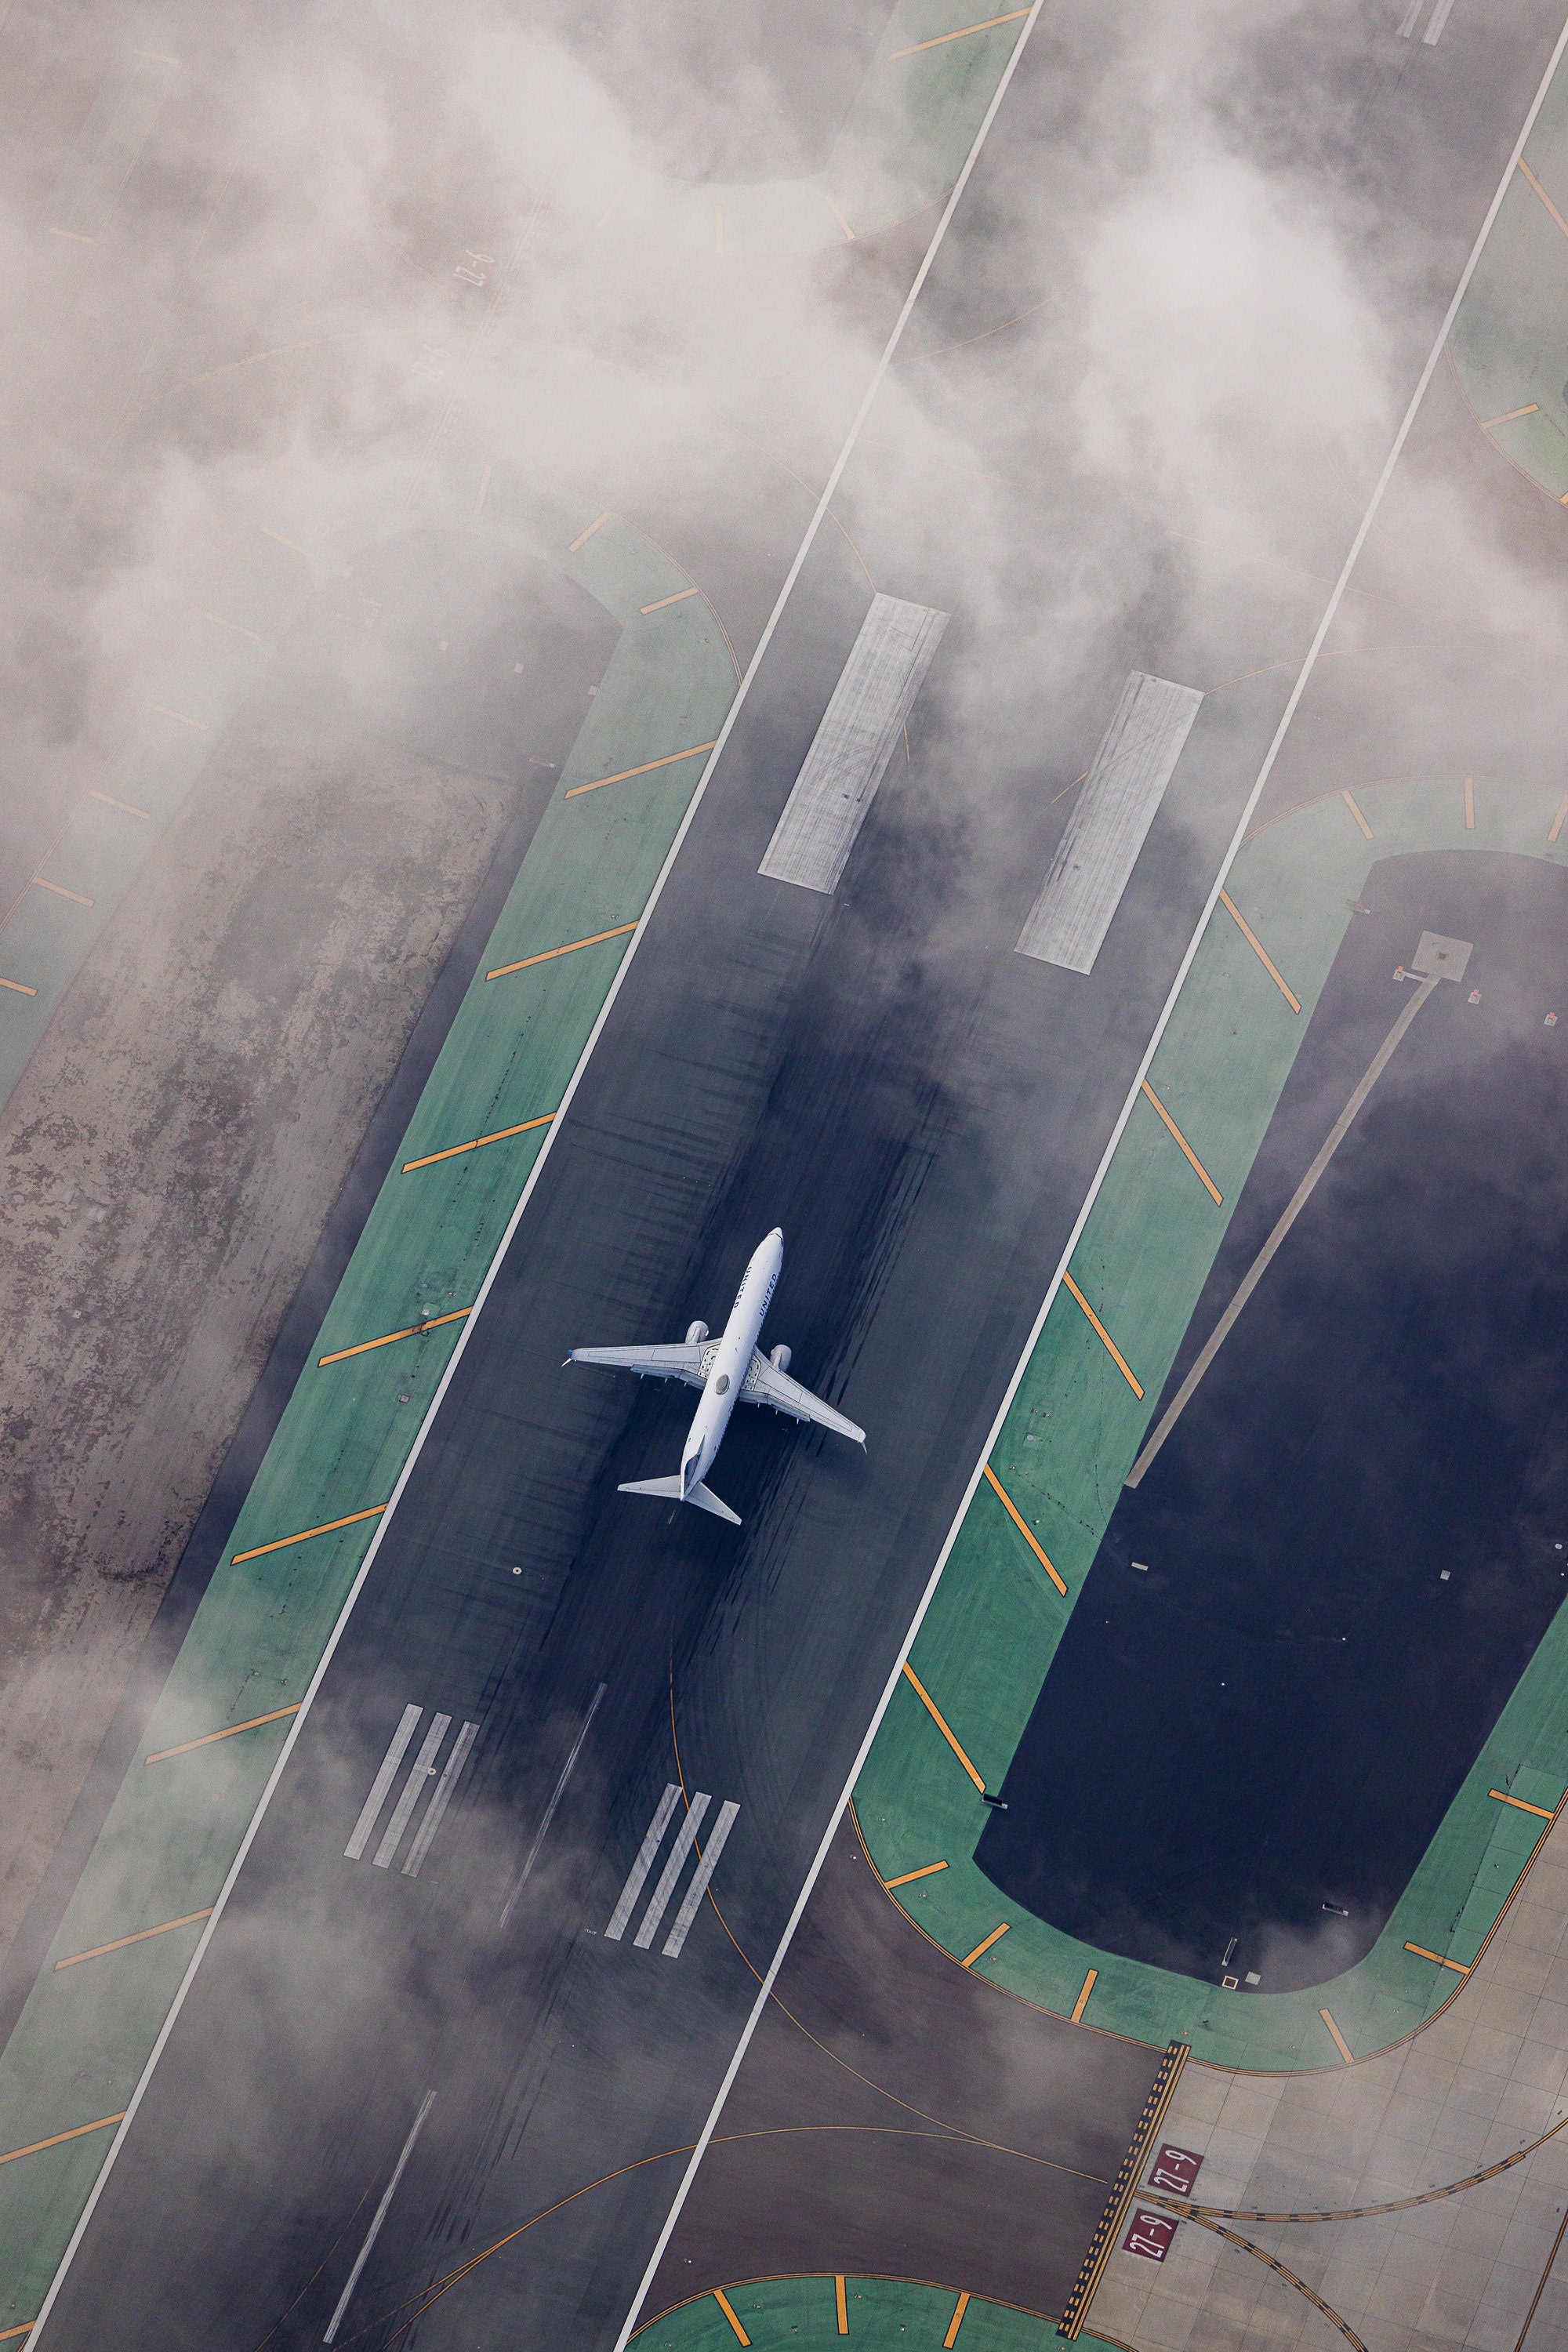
(704,1497)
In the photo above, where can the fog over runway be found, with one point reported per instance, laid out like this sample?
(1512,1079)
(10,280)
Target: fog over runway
(1120,449)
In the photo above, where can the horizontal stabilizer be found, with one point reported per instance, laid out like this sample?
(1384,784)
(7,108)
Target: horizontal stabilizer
(674,1361)
(704,1497)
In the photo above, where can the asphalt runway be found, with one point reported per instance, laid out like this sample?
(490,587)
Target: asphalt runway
(921,1110)
(778,1057)
(1353,1536)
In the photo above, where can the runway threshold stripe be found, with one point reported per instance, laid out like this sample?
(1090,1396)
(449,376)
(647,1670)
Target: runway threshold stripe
(545,954)
(57,2139)
(1123,1366)
(728,2308)
(982,1948)
(941,1724)
(120,1943)
(1260,951)
(840,2303)
(160,1755)
(907,1877)
(1019,1521)
(20,987)
(328,1527)
(1557,820)
(962,34)
(1081,2003)
(476,1143)
(1341,2044)
(1205,1179)
(955,2323)
(413,1331)
(670,760)
(1423,1954)
(1542,1812)
(1355,812)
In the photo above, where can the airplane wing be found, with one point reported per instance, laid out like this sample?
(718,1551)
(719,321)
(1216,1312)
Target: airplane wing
(673,1363)
(764,1384)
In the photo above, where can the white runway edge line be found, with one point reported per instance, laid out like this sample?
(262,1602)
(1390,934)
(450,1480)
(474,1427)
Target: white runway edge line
(467,1330)
(764,1990)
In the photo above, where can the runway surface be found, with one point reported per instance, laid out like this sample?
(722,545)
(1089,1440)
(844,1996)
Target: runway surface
(921,1111)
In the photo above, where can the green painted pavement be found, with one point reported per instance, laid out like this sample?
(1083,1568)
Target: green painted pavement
(174,1827)
(1073,1433)
(901,146)
(1510,344)
(790,2315)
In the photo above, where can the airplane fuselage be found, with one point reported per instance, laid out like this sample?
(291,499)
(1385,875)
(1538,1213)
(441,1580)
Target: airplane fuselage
(730,1361)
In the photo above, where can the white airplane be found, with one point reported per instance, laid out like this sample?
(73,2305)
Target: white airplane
(729,1370)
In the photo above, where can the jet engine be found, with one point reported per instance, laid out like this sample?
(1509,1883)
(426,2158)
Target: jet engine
(697,1334)
(779,1359)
